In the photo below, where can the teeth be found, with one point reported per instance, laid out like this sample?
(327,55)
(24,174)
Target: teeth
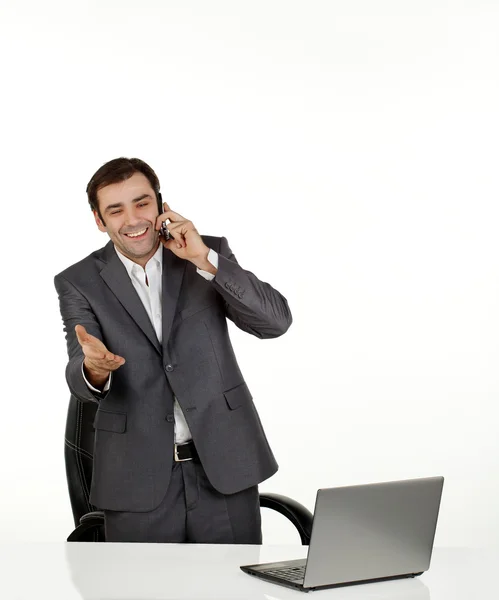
(136,234)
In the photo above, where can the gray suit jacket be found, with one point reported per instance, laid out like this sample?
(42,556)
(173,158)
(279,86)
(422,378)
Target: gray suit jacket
(134,425)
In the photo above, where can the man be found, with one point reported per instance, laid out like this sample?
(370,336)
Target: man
(179,447)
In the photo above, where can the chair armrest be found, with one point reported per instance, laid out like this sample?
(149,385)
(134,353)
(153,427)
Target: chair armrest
(96,518)
(300,516)
(88,522)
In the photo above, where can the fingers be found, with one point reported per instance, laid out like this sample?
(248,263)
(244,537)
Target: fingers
(168,214)
(177,231)
(171,238)
(177,225)
(180,230)
(81,334)
(87,339)
(96,352)
(172,243)
(110,362)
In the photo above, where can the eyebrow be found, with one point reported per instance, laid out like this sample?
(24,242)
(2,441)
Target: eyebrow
(120,204)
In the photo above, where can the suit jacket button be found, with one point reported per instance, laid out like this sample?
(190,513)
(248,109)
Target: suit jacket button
(170,418)
(169,368)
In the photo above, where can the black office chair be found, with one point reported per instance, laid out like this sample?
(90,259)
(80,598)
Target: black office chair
(89,522)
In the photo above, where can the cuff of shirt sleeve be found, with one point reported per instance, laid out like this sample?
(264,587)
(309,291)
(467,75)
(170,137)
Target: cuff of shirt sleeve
(213,258)
(106,387)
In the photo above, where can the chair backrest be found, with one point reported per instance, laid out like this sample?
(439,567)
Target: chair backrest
(78,455)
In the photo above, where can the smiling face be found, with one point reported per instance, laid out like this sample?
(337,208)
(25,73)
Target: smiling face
(129,208)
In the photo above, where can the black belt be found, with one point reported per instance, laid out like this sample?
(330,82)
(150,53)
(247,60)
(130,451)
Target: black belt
(185,451)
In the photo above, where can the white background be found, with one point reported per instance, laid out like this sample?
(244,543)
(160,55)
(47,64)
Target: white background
(348,150)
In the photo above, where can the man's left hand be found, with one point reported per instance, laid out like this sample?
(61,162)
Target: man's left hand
(186,243)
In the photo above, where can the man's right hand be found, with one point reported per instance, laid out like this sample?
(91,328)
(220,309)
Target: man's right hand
(98,362)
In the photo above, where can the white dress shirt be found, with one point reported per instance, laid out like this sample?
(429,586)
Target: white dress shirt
(150,296)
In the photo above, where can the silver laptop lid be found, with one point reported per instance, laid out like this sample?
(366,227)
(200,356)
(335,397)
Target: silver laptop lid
(371,531)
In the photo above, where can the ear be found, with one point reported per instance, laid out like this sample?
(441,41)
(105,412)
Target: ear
(100,224)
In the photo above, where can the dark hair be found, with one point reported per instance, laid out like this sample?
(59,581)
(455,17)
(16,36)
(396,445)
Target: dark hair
(114,171)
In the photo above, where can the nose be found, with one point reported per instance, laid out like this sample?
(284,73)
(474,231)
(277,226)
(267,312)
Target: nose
(132,219)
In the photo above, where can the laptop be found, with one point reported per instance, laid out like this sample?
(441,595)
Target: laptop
(362,534)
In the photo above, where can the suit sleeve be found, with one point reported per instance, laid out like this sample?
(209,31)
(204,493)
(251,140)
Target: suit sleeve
(253,305)
(75,310)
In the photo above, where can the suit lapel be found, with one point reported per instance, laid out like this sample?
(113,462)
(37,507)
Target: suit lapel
(116,277)
(173,274)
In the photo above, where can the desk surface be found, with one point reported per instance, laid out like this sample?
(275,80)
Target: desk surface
(91,571)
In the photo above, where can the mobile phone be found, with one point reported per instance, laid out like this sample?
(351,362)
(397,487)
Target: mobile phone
(164,229)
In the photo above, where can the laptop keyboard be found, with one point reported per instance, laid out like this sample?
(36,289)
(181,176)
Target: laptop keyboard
(288,573)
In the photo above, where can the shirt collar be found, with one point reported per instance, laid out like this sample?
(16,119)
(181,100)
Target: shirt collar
(131,266)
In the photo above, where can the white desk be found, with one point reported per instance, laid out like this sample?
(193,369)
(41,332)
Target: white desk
(102,571)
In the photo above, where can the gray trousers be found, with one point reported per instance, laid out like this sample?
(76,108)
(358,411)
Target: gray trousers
(191,511)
